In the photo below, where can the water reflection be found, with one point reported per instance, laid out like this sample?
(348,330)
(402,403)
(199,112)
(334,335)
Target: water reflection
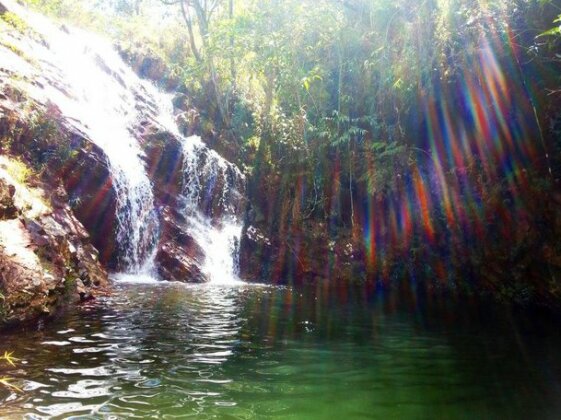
(117,357)
(170,350)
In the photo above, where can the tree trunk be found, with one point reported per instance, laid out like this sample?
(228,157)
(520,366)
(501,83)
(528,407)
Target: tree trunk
(232,60)
(269,90)
(188,21)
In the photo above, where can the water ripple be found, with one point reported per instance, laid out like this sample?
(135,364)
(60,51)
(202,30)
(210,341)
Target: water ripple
(169,351)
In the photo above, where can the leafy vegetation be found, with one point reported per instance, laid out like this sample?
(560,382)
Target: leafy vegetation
(420,131)
(18,170)
(4,380)
(14,21)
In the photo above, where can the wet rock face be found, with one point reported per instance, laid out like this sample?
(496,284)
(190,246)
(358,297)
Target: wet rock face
(88,183)
(179,257)
(305,254)
(164,163)
(176,174)
(46,259)
(85,172)
(256,247)
(148,66)
(87,179)
(174,264)
(37,124)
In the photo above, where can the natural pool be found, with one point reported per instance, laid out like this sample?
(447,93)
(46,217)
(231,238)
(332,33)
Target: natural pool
(244,352)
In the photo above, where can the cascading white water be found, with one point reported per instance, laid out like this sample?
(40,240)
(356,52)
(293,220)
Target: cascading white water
(213,201)
(85,77)
(95,87)
(214,190)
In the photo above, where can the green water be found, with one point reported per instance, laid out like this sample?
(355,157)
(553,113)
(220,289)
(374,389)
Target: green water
(175,351)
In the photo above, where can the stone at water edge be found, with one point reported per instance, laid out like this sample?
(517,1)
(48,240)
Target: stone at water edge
(29,289)
(175,265)
(46,260)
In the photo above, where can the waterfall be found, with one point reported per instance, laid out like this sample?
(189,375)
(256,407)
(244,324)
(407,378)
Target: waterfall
(108,110)
(90,84)
(213,201)
(96,91)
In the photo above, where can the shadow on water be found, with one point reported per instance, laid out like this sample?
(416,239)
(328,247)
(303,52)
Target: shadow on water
(246,351)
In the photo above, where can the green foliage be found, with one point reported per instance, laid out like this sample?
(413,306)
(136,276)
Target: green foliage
(37,138)
(15,93)
(555,30)
(14,21)
(48,145)
(70,282)
(18,171)
(329,96)
(17,51)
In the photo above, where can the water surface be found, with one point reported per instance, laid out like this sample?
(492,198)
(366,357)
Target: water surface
(243,352)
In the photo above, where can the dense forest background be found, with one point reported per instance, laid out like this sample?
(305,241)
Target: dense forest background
(407,140)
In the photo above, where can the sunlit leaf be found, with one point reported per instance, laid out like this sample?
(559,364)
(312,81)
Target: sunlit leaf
(9,358)
(6,382)
(552,31)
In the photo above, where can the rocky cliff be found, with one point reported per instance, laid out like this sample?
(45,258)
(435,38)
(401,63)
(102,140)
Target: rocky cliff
(57,245)
(46,257)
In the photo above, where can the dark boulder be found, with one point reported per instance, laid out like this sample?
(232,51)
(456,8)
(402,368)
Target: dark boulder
(175,264)
(8,209)
(179,257)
